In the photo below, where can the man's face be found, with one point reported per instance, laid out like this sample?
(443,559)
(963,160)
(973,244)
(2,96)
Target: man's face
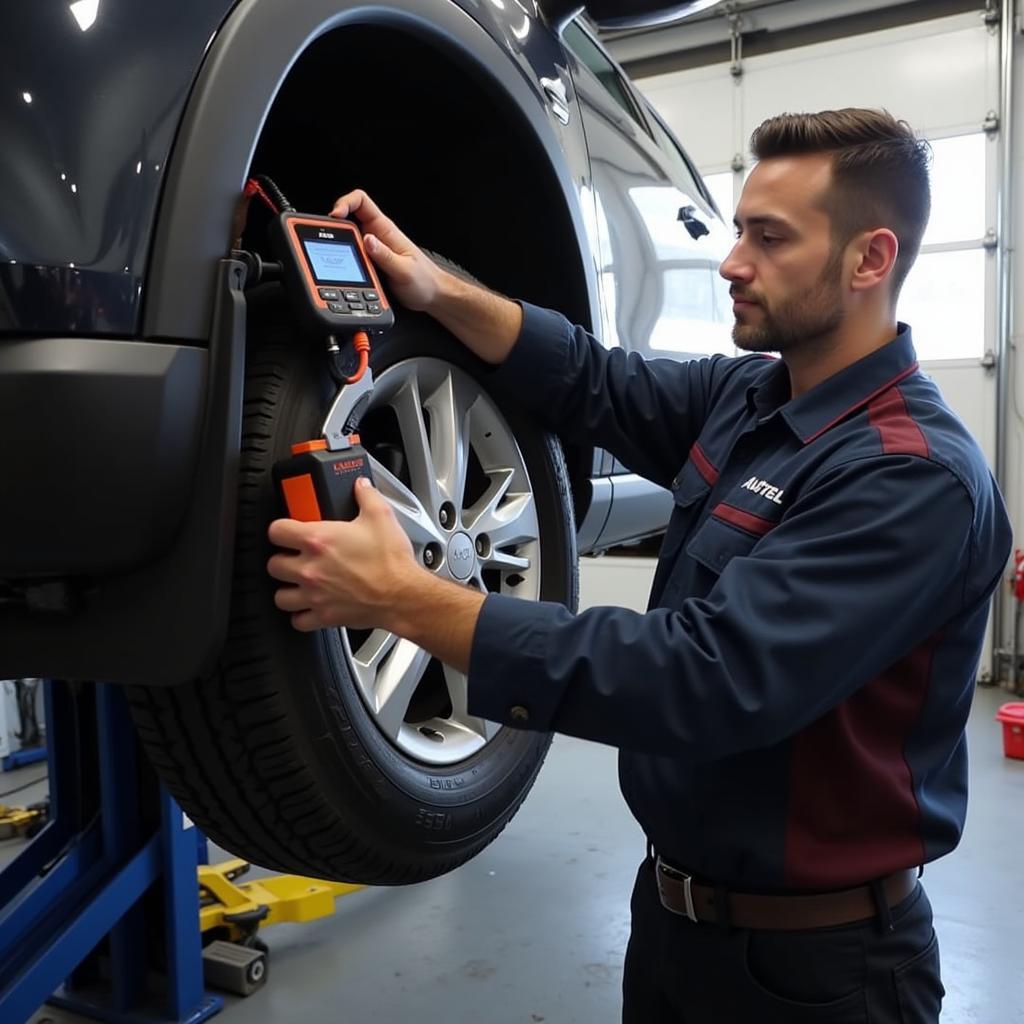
(784,271)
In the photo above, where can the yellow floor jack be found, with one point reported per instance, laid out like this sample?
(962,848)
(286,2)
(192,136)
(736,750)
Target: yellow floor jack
(231,914)
(23,821)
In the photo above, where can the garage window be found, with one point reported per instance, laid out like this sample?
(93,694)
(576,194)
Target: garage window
(721,187)
(943,298)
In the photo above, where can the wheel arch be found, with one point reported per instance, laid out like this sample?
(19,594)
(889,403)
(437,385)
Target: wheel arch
(248,63)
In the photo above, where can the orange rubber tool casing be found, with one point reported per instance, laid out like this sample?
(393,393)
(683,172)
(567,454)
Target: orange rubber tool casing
(317,484)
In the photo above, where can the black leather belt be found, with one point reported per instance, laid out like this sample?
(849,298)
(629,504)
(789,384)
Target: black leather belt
(680,894)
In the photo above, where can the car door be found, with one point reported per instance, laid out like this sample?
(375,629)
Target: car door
(661,242)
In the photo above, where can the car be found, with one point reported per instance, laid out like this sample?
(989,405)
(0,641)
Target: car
(148,384)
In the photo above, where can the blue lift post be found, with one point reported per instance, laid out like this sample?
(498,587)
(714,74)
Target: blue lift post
(72,925)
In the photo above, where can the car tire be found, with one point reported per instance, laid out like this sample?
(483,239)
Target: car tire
(291,753)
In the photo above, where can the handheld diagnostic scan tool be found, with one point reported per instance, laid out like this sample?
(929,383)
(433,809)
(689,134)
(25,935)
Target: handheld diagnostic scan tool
(328,275)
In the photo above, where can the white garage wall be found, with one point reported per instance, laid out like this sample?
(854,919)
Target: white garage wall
(942,76)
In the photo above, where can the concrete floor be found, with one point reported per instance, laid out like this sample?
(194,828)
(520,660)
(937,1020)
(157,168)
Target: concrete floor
(535,928)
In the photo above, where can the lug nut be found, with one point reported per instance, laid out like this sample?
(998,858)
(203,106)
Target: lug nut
(446,515)
(428,557)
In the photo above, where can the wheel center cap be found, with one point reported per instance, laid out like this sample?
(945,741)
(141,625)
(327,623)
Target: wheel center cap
(461,556)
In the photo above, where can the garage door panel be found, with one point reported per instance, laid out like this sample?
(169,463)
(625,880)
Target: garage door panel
(699,112)
(934,87)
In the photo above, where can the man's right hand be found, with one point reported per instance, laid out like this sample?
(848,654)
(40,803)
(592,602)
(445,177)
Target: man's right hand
(413,278)
(485,322)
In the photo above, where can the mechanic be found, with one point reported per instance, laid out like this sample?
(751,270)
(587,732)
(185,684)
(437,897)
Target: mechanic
(790,710)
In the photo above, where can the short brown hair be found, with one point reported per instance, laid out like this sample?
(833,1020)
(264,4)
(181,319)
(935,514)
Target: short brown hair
(879,172)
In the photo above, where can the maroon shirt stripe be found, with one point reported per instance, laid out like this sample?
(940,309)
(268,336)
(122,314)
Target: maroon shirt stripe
(853,813)
(704,467)
(744,520)
(898,432)
(864,401)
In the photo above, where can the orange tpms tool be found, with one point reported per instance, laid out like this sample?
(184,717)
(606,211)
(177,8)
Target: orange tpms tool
(317,483)
(333,285)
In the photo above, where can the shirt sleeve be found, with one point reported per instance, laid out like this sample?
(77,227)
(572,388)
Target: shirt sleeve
(646,412)
(863,568)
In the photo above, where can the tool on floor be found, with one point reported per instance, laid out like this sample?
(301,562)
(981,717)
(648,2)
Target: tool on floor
(334,290)
(23,821)
(238,962)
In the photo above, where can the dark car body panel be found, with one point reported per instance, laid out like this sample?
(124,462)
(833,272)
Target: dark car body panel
(80,187)
(81,405)
(163,621)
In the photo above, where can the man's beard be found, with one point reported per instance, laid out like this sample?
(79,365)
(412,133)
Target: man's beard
(796,322)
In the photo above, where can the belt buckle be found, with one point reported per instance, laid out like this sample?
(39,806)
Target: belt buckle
(687,880)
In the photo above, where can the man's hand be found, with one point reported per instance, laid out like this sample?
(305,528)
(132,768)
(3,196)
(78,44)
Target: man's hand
(344,574)
(488,324)
(413,278)
(363,574)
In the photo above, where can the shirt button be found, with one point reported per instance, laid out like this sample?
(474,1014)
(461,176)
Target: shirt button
(519,713)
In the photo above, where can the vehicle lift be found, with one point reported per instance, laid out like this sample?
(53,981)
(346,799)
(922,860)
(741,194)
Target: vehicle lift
(103,913)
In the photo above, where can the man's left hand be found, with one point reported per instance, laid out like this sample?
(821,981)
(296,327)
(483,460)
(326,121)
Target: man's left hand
(343,574)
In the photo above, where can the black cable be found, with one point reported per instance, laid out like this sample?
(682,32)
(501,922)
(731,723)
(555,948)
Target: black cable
(25,785)
(270,187)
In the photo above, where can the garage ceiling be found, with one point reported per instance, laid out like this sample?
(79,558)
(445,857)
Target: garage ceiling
(767,26)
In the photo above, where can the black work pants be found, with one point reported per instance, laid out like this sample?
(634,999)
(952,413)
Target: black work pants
(681,972)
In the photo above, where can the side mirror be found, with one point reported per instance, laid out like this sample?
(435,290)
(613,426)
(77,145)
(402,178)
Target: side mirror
(693,224)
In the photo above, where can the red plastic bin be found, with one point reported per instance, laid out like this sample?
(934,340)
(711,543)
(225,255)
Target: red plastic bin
(1012,717)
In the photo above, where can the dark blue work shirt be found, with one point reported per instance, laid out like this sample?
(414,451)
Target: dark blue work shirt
(790,710)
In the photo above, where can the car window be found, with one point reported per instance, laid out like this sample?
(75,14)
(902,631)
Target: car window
(594,58)
(678,160)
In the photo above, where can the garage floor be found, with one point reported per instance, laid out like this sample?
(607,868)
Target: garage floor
(535,928)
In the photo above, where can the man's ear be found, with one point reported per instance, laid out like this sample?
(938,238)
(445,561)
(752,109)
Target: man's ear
(875,255)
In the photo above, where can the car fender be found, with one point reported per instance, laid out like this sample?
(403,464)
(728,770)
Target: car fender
(244,68)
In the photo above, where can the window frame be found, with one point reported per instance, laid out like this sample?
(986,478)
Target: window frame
(635,111)
(987,242)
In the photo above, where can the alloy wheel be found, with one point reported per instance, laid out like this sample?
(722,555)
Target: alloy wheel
(448,463)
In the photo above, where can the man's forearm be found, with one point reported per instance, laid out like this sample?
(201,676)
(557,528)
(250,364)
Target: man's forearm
(488,324)
(438,616)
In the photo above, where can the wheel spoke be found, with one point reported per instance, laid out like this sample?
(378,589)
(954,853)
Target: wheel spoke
(513,522)
(397,678)
(374,650)
(505,562)
(416,443)
(483,511)
(449,408)
(458,692)
(414,518)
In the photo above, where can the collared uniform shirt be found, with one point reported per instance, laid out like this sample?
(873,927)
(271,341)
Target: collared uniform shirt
(790,710)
